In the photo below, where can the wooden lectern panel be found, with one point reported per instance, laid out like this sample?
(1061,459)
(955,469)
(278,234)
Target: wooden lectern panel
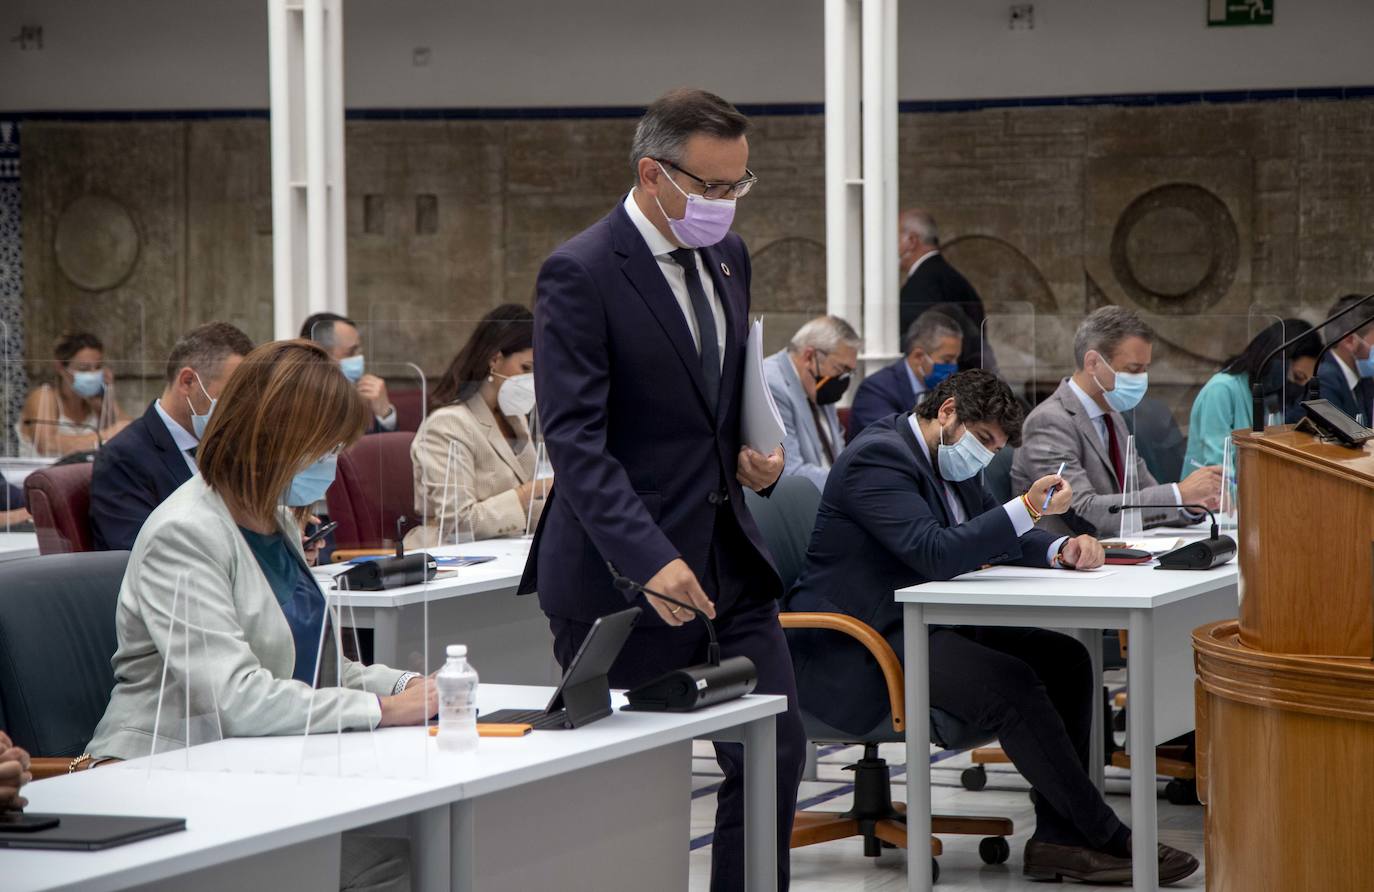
(1306,545)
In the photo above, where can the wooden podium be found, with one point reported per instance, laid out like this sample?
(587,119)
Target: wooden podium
(1285,696)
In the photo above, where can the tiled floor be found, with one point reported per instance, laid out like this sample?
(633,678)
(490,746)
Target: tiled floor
(841,865)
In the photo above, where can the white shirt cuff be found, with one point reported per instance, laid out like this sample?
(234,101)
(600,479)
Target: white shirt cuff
(1054,549)
(389,421)
(1178,500)
(1018,515)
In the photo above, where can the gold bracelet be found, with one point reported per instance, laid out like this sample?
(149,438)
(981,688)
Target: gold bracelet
(76,764)
(1030,509)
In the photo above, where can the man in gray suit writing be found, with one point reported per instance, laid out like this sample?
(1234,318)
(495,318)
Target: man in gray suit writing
(1081,426)
(807,379)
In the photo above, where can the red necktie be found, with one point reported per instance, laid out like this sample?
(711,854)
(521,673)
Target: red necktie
(1114,449)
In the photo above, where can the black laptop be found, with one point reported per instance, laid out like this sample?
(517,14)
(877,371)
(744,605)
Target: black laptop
(584,695)
(29,830)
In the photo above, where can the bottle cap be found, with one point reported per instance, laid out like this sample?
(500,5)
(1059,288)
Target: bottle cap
(457,650)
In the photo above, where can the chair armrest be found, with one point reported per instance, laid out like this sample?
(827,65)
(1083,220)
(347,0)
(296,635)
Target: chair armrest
(49,766)
(348,554)
(876,645)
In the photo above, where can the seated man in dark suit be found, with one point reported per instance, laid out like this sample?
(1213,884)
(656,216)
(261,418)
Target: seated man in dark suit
(155,454)
(1346,376)
(903,505)
(339,335)
(931,349)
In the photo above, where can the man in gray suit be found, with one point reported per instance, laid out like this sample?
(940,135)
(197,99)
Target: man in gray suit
(807,379)
(1081,426)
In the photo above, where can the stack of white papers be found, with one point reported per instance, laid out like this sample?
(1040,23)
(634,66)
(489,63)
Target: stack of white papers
(760,423)
(1006,572)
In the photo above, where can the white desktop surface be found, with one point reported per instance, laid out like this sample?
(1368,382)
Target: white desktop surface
(502,573)
(239,814)
(17,545)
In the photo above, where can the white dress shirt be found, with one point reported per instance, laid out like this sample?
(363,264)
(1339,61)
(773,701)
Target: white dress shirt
(185,440)
(1098,416)
(661,248)
(387,422)
(1020,518)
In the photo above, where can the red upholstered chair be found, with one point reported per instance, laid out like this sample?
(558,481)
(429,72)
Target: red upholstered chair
(374,487)
(410,408)
(59,499)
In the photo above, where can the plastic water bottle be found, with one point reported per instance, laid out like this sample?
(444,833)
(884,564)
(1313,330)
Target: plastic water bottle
(457,684)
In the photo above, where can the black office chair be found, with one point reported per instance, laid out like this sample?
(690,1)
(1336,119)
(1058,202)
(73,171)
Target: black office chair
(997,475)
(786,520)
(1158,438)
(57,635)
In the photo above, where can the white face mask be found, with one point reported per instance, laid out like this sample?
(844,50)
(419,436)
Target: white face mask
(516,396)
(964,458)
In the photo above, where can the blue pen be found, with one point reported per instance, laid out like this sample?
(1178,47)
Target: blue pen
(1049,496)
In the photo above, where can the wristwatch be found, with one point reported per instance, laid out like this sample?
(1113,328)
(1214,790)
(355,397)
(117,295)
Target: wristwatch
(403,681)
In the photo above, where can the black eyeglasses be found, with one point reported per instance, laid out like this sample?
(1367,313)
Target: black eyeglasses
(718,190)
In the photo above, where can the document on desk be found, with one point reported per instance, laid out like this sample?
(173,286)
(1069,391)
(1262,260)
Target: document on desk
(1009,573)
(1152,544)
(760,423)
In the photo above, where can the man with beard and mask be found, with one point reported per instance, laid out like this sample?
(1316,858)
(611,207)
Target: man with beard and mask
(640,326)
(807,379)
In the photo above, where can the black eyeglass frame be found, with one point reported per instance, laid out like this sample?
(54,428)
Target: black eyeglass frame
(722,190)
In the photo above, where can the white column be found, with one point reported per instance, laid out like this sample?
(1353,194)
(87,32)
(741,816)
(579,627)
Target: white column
(305,48)
(861,171)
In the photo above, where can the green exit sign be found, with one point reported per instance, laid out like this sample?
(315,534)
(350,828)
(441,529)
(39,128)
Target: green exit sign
(1239,12)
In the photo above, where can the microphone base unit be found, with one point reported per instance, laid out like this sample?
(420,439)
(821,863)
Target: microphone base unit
(1201,555)
(696,687)
(388,573)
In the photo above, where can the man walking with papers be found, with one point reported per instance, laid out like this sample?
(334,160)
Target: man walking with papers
(640,329)
(903,505)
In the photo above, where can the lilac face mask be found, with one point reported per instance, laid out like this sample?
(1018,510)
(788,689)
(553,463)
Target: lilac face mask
(706,221)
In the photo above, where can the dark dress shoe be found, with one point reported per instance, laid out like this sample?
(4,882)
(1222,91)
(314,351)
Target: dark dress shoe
(1052,863)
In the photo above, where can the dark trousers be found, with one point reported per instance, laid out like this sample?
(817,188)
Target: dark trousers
(1034,689)
(749,629)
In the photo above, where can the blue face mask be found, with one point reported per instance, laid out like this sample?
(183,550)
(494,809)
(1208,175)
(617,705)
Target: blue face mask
(199,422)
(1129,391)
(939,372)
(310,485)
(964,459)
(352,367)
(88,384)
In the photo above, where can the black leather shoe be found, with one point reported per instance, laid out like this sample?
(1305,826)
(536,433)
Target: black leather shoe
(1052,863)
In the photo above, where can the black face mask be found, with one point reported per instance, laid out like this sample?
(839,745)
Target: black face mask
(830,390)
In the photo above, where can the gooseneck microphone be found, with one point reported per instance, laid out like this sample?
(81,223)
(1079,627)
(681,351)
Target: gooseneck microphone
(1257,385)
(683,690)
(1204,554)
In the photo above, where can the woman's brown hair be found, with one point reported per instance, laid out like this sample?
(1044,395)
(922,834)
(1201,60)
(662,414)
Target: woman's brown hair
(286,406)
(507,329)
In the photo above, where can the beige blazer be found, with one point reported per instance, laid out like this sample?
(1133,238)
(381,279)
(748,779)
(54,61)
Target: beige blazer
(480,501)
(190,562)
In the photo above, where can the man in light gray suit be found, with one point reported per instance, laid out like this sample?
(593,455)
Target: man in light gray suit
(807,379)
(1081,426)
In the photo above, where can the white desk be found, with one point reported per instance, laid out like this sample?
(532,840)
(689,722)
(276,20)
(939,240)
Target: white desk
(17,545)
(549,810)
(17,468)
(508,636)
(1160,609)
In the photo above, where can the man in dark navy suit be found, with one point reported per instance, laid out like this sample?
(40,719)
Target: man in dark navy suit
(640,330)
(903,505)
(930,281)
(155,454)
(1346,376)
(932,345)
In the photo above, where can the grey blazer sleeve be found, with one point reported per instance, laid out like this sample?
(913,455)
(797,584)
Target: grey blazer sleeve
(1048,439)
(794,453)
(186,575)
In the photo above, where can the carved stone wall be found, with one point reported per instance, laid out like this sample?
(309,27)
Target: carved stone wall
(1223,210)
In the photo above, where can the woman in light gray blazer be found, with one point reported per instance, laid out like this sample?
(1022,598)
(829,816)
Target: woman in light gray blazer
(223,554)
(473,459)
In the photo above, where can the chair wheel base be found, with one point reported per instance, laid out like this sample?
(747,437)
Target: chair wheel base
(974,778)
(994,850)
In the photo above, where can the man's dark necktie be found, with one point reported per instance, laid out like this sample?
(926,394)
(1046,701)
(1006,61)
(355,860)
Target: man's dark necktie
(823,433)
(1114,449)
(706,324)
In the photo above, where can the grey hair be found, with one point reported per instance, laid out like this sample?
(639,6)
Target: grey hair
(929,329)
(1105,329)
(675,117)
(1333,330)
(825,333)
(922,224)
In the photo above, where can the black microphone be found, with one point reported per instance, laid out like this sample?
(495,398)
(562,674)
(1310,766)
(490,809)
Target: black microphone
(1314,383)
(1205,554)
(80,456)
(683,690)
(1257,386)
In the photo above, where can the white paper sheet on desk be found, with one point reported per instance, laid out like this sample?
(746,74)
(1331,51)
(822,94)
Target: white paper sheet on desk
(1152,544)
(1033,573)
(760,423)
